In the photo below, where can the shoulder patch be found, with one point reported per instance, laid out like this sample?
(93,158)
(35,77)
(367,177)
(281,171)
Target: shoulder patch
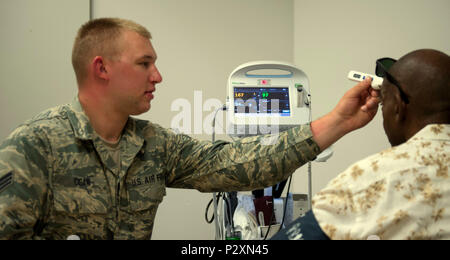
(5,181)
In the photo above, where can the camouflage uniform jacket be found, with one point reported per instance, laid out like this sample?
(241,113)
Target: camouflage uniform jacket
(53,174)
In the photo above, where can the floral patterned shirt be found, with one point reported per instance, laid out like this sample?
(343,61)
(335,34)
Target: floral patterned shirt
(400,193)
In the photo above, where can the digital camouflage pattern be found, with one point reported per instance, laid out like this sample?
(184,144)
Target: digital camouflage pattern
(54,183)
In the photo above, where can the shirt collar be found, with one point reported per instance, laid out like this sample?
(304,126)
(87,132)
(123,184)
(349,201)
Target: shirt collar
(433,131)
(81,126)
(83,129)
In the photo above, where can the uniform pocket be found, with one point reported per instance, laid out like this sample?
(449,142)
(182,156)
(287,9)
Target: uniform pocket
(80,206)
(81,193)
(79,201)
(145,191)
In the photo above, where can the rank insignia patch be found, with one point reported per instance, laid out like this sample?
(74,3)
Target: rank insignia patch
(5,181)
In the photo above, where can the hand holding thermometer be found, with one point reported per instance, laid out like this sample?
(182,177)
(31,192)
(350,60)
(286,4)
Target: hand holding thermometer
(359,76)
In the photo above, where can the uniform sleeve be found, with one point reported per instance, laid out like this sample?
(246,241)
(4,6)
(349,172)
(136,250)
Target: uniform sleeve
(23,188)
(247,164)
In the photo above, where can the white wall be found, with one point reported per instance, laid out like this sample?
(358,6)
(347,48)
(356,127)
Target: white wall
(35,56)
(199,43)
(333,37)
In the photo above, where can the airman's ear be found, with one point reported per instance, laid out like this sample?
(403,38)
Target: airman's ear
(99,68)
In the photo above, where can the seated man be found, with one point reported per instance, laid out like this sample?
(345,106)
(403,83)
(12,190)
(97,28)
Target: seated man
(402,192)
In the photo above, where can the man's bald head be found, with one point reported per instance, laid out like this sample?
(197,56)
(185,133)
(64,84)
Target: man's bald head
(425,76)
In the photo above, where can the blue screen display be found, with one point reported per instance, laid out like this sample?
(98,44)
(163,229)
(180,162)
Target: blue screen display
(262,100)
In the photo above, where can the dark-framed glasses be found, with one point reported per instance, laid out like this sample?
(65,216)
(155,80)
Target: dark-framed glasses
(381,70)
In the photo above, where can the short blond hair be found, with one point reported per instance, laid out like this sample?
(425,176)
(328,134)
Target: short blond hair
(100,37)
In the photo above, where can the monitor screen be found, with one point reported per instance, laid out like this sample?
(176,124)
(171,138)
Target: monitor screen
(262,100)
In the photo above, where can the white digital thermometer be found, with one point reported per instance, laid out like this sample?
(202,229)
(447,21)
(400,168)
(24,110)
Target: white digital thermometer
(359,76)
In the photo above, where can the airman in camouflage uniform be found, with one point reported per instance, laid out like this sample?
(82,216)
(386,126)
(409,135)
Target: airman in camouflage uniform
(59,169)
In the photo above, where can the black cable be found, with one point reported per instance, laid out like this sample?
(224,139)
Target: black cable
(285,204)
(209,204)
(271,220)
(228,207)
(284,210)
(230,215)
(206,213)
(207,209)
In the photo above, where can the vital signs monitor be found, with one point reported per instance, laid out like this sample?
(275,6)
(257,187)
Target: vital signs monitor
(267,97)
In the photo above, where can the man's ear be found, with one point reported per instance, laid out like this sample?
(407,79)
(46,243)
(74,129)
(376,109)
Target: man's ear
(99,68)
(400,108)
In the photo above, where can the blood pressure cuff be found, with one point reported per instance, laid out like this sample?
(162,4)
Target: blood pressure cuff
(304,228)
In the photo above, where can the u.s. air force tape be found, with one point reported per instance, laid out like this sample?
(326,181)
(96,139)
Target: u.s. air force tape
(5,181)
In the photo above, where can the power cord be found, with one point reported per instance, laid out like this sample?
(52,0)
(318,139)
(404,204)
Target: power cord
(215,199)
(284,210)
(209,221)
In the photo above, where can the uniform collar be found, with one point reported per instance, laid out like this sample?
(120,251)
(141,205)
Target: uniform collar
(83,129)
(131,142)
(81,126)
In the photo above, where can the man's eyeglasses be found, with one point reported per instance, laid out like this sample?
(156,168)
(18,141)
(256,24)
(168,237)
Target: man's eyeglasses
(381,70)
